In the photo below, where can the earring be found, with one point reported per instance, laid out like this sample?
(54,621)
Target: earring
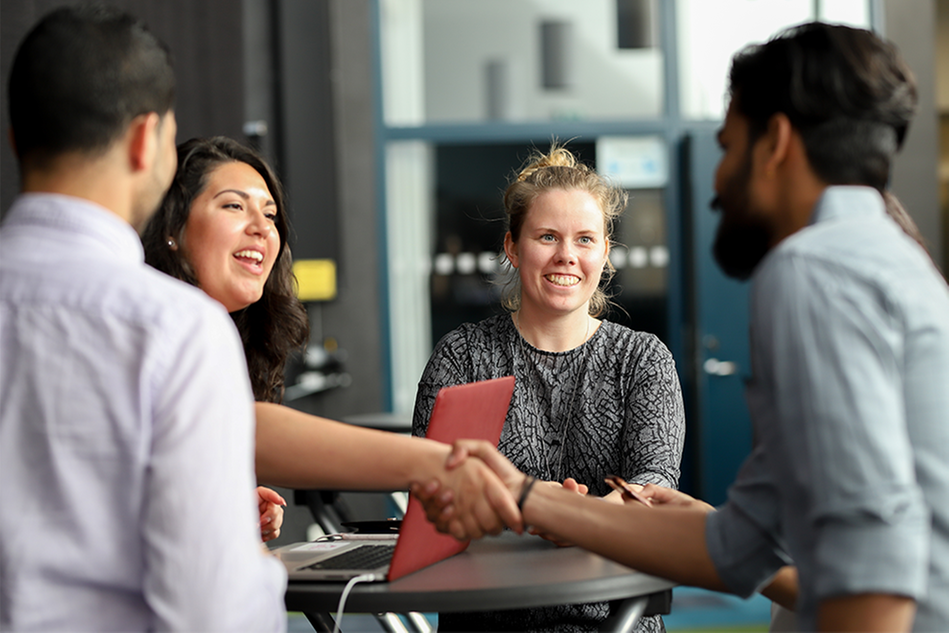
(172,245)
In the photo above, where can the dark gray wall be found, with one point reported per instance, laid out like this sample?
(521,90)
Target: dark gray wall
(306,120)
(325,97)
(355,318)
(205,40)
(911,25)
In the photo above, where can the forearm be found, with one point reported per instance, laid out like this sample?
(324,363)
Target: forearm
(297,450)
(666,542)
(783,588)
(866,612)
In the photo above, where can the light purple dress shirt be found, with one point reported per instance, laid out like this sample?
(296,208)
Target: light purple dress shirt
(126,439)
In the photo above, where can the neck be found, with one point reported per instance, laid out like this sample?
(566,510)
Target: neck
(555,333)
(96,180)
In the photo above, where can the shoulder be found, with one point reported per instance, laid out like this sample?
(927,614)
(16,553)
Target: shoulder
(842,264)
(156,298)
(626,342)
(473,338)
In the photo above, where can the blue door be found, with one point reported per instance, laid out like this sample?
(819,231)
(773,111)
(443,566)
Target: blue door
(720,425)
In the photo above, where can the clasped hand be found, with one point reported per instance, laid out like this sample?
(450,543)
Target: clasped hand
(465,512)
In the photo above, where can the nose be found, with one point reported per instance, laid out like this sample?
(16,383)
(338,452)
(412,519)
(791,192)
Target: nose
(565,252)
(259,224)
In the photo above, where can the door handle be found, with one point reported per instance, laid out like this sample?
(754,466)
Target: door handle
(717,367)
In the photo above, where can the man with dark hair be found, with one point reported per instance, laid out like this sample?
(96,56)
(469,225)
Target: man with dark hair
(849,338)
(850,355)
(126,429)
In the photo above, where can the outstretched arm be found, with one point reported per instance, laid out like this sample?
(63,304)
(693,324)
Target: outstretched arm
(298,450)
(667,540)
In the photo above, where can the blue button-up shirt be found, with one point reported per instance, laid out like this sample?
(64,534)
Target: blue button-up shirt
(850,401)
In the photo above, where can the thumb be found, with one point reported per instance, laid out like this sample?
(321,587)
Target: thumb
(497,462)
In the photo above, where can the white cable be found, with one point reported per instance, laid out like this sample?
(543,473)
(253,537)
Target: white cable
(342,598)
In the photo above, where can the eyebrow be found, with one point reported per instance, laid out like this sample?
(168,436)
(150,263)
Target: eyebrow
(244,195)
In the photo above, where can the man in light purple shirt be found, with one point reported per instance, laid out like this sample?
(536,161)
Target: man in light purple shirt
(126,429)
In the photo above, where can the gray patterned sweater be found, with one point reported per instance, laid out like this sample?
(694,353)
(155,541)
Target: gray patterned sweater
(611,406)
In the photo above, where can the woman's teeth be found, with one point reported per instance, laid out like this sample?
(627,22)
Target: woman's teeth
(254,255)
(563,280)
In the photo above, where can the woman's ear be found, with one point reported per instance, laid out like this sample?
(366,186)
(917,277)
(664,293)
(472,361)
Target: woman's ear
(510,249)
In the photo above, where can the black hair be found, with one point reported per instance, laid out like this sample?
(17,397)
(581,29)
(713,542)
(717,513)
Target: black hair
(79,78)
(845,90)
(273,327)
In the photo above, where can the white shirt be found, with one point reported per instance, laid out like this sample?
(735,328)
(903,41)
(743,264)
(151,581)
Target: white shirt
(850,399)
(126,439)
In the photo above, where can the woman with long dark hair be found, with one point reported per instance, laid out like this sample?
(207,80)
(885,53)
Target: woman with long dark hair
(223,227)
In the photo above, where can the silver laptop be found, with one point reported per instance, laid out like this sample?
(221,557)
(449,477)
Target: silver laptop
(476,410)
(339,560)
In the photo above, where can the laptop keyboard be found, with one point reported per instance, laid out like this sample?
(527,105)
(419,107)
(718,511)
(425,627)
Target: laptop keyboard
(363,557)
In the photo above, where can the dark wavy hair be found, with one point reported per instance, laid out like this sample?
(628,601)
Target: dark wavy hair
(276,325)
(847,91)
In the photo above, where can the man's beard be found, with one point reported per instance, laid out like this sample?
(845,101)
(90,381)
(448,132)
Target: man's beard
(742,240)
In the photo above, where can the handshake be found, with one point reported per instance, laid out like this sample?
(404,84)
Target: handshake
(480,492)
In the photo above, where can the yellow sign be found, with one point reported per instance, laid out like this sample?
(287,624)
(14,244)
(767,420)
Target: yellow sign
(316,279)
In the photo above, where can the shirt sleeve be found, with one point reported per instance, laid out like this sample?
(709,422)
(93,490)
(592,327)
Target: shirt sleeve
(655,428)
(833,363)
(205,567)
(742,535)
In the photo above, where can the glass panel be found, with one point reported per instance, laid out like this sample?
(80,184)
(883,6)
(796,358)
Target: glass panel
(408,238)
(460,61)
(852,12)
(709,32)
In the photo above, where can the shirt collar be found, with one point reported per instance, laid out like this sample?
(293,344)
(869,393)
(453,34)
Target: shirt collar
(86,220)
(848,201)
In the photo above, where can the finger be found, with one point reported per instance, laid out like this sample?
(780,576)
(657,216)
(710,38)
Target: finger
(459,453)
(457,529)
(472,527)
(278,518)
(270,496)
(433,512)
(447,512)
(660,495)
(488,521)
(583,489)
